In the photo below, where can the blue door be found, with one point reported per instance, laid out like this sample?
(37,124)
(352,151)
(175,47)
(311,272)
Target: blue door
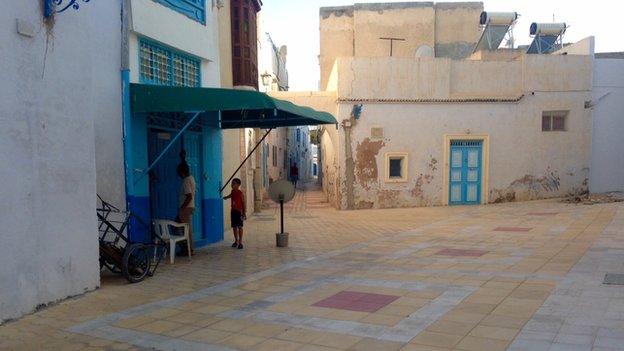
(465,172)
(164,180)
(193,146)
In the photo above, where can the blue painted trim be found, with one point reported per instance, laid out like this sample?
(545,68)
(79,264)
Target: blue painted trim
(139,205)
(212,221)
(171,54)
(464,146)
(193,9)
(127,130)
(188,124)
(51,7)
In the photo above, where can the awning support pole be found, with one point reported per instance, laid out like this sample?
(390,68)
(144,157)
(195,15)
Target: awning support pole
(175,138)
(245,160)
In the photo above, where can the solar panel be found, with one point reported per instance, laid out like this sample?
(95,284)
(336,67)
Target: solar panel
(547,37)
(497,27)
(543,44)
(491,37)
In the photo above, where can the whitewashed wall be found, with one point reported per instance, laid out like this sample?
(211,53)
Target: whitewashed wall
(49,246)
(158,22)
(607,166)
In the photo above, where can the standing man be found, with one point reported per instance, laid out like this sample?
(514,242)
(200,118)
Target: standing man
(187,199)
(294,174)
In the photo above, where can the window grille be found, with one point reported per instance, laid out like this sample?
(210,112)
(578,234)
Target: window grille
(163,66)
(554,121)
(466,142)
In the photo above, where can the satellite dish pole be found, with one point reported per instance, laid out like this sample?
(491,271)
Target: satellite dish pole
(281,192)
(281,202)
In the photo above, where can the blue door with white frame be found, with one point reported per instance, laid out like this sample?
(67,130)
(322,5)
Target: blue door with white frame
(465,172)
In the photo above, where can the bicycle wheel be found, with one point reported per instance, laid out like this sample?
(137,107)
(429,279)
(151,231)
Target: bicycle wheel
(136,263)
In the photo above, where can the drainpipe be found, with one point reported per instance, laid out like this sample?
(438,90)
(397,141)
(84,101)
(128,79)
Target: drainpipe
(125,97)
(349,164)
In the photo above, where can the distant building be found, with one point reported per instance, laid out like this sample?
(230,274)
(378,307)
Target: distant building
(239,46)
(607,166)
(431,119)
(274,77)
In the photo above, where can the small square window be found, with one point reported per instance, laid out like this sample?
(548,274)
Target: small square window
(396,167)
(554,121)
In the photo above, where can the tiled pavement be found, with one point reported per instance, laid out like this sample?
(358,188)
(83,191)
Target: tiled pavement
(523,276)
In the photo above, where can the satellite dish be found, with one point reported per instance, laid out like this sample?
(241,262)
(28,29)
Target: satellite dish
(281,192)
(425,51)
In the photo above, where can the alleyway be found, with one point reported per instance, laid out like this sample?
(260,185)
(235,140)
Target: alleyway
(518,276)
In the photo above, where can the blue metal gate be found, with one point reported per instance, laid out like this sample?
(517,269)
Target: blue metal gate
(164,180)
(465,172)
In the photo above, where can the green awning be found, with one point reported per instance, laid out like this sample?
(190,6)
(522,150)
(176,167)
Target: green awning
(239,108)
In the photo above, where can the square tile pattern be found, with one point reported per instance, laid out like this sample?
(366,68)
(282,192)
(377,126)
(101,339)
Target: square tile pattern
(357,301)
(461,252)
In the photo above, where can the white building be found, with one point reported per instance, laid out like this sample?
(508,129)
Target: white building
(607,166)
(59,79)
(439,119)
(166,43)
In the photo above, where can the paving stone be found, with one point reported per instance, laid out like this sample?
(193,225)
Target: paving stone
(385,252)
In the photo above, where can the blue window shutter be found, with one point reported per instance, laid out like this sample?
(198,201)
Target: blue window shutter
(194,9)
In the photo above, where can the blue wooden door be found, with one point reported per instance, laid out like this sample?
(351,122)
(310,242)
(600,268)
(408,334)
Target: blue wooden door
(193,147)
(465,172)
(164,180)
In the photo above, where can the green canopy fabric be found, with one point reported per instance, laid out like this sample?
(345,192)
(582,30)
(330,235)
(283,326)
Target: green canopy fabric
(239,108)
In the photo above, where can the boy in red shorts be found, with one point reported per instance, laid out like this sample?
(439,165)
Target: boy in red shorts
(237,214)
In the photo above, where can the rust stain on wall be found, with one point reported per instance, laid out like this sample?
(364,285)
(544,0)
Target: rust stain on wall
(422,179)
(366,163)
(527,187)
(549,182)
(388,198)
(364,205)
(433,164)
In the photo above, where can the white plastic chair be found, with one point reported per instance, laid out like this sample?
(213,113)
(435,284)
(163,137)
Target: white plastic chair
(162,228)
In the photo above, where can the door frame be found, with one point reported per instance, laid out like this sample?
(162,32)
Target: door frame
(485,163)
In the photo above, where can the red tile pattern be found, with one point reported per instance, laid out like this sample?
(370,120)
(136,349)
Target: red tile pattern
(461,252)
(512,229)
(357,301)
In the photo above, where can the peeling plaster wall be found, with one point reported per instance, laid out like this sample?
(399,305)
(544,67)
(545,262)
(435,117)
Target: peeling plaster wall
(457,28)
(452,29)
(525,163)
(49,107)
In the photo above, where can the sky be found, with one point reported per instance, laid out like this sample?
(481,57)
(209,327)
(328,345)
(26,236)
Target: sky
(295,23)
